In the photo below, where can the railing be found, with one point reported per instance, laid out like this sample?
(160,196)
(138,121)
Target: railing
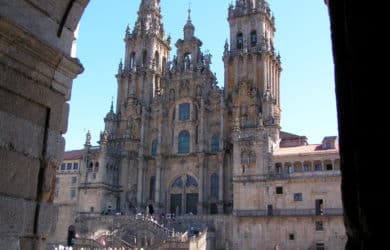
(287,212)
(283,176)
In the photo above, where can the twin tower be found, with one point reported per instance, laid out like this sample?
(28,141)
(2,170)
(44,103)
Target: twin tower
(176,140)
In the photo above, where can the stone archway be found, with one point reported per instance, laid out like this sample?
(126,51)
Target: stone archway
(183,195)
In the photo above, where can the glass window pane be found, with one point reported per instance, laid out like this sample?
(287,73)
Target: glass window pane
(184,111)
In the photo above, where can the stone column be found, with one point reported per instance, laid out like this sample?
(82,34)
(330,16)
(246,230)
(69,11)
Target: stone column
(201,177)
(140,183)
(124,173)
(133,85)
(220,186)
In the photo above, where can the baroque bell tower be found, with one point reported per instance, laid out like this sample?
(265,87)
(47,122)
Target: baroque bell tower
(252,74)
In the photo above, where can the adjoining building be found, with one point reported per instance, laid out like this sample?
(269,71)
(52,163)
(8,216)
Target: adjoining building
(177,143)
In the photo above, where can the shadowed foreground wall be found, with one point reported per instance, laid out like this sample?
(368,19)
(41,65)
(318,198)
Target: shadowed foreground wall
(36,74)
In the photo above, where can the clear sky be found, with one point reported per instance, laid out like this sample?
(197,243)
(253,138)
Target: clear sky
(302,37)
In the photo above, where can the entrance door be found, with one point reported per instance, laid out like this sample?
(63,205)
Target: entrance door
(176,203)
(191,202)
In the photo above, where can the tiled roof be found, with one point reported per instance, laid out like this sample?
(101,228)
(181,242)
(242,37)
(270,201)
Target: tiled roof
(306,149)
(73,155)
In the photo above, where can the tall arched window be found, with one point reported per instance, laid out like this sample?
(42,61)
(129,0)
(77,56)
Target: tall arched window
(214,185)
(132,60)
(157,59)
(144,57)
(184,112)
(184,142)
(154,148)
(215,143)
(152,187)
(253,38)
(96,167)
(240,41)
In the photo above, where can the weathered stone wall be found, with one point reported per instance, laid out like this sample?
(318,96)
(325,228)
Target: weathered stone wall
(36,76)
(266,233)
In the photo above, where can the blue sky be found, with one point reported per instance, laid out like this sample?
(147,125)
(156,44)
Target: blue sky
(302,37)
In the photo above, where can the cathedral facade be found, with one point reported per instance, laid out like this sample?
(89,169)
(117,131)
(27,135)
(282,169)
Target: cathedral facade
(177,143)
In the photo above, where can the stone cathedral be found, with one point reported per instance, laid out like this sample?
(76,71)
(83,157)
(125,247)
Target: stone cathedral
(176,143)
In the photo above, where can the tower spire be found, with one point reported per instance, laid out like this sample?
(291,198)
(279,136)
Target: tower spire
(189,12)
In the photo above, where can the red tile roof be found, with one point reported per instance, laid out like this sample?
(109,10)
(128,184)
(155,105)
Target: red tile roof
(306,149)
(73,155)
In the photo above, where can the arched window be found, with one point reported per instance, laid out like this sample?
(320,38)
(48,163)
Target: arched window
(132,60)
(240,41)
(144,57)
(184,112)
(154,148)
(253,38)
(215,143)
(214,185)
(184,142)
(96,167)
(90,167)
(157,59)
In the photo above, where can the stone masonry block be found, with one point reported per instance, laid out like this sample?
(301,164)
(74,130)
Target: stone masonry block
(16,216)
(22,174)
(20,135)
(64,119)
(55,147)
(9,243)
(37,22)
(47,219)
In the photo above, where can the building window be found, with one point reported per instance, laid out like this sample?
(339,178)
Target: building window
(214,186)
(214,143)
(92,209)
(291,169)
(154,148)
(320,246)
(94,176)
(319,204)
(278,168)
(58,168)
(291,237)
(270,210)
(329,167)
(253,38)
(96,167)
(75,166)
(319,226)
(56,192)
(184,142)
(279,190)
(144,58)
(69,166)
(63,166)
(298,197)
(306,168)
(184,112)
(90,167)
(318,167)
(152,187)
(240,41)
(74,180)
(72,193)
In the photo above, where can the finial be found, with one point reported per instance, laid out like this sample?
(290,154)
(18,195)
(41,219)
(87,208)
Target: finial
(120,66)
(112,104)
(88,139)
(189,11)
